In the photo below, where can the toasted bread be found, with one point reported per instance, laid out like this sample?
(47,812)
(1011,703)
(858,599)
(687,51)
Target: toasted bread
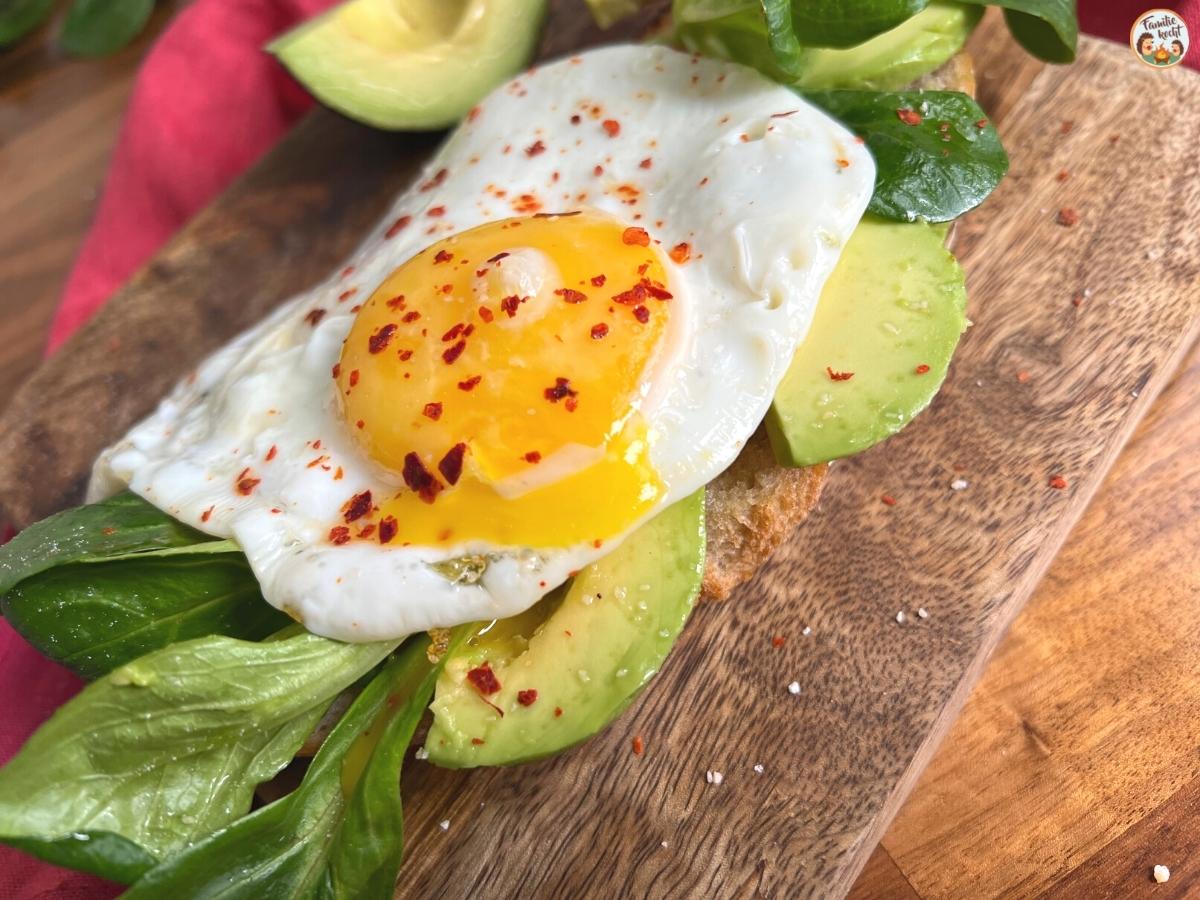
(756,503)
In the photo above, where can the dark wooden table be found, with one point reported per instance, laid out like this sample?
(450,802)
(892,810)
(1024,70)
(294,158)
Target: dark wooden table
(1073,768)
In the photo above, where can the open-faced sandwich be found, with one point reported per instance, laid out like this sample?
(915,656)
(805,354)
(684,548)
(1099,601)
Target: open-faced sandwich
(590,366)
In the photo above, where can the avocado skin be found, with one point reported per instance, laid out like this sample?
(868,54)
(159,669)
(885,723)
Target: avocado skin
(896,302)
(421,82)
(892,60)
(588,652)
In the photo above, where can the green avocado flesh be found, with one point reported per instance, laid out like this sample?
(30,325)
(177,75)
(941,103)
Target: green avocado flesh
(587,650)
(891,60)
(411,64)
(895,303)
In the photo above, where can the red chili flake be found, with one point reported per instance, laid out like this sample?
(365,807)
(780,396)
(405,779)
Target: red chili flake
(432,411)
(486,314)
(599,330)
(347,294)
(387,529)
(207,514)
(360,424)
(339,534)
(1058,483)
(1066,126)
(611,127)
(452,463)
(438,177)
(353,377)
(484,679)
(435,212)
(778,641)
(474,113)
(442,256)
(527,203)
(1022,376)
(411,316)
(396,227)
(921,369)
(838,376)
(533,457)
(843,163)
(337,369)
(405,355)
(469,384)
(447,288)
(656,290)
(557,711)
(367,530)
(357,507)
(888,500)
(535,148)
(1063,175)
(1068,217)
(314,317)
(420,479)
(271,453)
(744,138)
(645,163)
(635,237)
(498,257)
(246,483)
(598,280)
(638,746)
(908,115)
(313,463)
(562,388)
(681,253)
(527,697)
(348,271)
(338,473)
(454,332)
(453,352)
(631,297)
(642,271)
(575,120)
(478,742)
(784,115)
(571,296)
(509,305)
(396,302)
(1077,299)
(641,314)
(378,342)
(981,124)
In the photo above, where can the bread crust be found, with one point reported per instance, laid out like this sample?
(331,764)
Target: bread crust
(756,503)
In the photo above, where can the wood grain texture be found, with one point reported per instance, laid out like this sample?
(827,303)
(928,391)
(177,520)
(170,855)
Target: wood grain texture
(876,695)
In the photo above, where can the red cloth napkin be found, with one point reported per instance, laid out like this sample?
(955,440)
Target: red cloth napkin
(208,103)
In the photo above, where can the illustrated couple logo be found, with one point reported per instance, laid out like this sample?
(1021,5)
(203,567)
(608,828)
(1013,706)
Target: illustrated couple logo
(1159,37)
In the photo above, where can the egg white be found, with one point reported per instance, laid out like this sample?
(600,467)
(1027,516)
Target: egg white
(740,168)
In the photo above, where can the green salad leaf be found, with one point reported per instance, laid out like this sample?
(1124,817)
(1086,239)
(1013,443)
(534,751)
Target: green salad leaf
(1048,29)
(169,748)
(936,155)
(100,27)
(95,616)
(19,17)
(115,527)
(97,852)
(340,833)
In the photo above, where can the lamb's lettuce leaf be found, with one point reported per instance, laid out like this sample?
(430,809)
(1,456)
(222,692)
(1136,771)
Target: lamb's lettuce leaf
(936,168)
(340,833)
(167,749)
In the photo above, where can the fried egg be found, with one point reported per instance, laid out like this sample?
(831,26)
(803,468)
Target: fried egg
(576,316)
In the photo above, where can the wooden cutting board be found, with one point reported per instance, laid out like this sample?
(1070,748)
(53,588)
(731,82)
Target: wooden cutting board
(1041,387)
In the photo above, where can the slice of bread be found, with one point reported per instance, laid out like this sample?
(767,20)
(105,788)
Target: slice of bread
(756,503)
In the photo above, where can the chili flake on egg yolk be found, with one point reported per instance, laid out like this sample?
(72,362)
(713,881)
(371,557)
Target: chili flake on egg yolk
(474,373)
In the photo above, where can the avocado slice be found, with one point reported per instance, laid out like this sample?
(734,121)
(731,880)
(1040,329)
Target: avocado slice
(890,61)
(587,650)
(891,314)
(411,64)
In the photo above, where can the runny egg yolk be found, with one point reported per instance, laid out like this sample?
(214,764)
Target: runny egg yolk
(499,374)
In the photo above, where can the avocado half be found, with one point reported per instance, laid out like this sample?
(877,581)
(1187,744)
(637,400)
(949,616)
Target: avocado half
(411,64)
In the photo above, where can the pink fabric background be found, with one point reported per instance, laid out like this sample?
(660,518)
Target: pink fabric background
(208,103)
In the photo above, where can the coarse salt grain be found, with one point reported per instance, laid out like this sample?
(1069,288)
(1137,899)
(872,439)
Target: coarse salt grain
(713,777)
(923,613)
(444,824)
(1161,874)
(807,631)
(758,768)
(422,753)
(794,687)
(959,484)
(901,618)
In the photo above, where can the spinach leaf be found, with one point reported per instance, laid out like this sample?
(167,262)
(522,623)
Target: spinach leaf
(98,852)
(93,617)
(1048,29)
(340,833)
(937,169)
(120,525)
(841,23)
(100,27)
(19,17)
(167,749)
